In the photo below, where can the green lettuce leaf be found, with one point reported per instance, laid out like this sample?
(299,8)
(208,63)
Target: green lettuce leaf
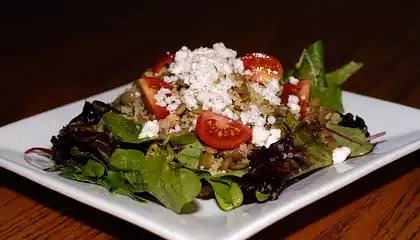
(318,155)
(354,138)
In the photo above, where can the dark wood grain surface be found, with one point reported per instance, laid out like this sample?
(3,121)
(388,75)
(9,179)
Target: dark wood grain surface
(55,52)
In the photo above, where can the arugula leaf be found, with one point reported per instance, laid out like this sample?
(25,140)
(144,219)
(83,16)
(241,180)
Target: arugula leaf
(325,87)
(184,139)
(340,75)
(126,159)
(122,128)
(172,187)
(311,66)
(228,194)
(354,138)
(93,169)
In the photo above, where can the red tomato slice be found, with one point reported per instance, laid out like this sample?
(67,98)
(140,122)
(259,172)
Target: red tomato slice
(162,62)
(221,132)
(149,86)
(263,67)
(301,90)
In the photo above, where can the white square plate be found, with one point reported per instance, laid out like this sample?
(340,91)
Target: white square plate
(209,222)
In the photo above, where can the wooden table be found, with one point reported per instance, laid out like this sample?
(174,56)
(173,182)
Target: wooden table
(55,52)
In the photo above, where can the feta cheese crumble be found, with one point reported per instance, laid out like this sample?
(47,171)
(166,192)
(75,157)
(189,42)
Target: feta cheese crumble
(293,104)
(271,120)
(340,154)
(207,74)
(176,129)
(293,80)
(269,92)
(263,137)
(253,116)
(164,98)
(260,136)
(150,130)
(275,135)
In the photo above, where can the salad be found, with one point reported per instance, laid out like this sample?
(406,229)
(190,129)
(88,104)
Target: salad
(205,123)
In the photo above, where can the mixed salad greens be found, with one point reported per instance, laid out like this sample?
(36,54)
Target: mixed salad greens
(102,145)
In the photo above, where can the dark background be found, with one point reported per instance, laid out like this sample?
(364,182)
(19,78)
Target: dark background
(76,48)
(56,52)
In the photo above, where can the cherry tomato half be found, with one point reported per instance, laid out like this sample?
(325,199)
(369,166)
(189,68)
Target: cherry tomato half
(263,67)
(163,62)
(301,90)
(149,86)
(221,132)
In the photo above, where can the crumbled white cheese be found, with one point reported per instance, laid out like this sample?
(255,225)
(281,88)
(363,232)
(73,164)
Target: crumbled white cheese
(293,104)
(176,129)
(260,136)
(263,137)
(150,130)
(275,135)
(340,154)
(293,80)
(228,113)
(268,92)
(164,98)
(253,116)
(194,123)
(271,120)
(207,74)
(137,94)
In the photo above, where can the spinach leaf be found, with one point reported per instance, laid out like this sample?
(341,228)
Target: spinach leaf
(126,159)
(93,169)
(76,153)
(172,187)
(261,197)
(155,150)
(340,75)
(135,179)
(354,138)
(75,172)
(191,154)
(115,180)
(232,173)
(190,157)
(123,129)
(228,194)
(202,174)
(184,139)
